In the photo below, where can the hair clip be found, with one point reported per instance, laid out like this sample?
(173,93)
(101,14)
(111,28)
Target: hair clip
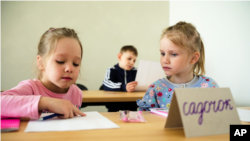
(52,29)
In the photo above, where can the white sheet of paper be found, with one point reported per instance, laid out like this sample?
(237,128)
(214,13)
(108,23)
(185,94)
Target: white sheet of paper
(93,120)
(147,73)
(244,114)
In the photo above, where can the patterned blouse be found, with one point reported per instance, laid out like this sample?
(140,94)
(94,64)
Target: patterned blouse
(160,93)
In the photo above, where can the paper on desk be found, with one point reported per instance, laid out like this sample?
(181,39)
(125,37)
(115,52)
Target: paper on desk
(93,120)
(147,73)
(244,114)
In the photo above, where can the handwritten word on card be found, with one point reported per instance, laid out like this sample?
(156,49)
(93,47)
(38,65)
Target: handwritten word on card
(202,111)
(201,107)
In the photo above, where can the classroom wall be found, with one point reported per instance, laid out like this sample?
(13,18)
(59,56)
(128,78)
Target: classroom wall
(103,28)
(224,27)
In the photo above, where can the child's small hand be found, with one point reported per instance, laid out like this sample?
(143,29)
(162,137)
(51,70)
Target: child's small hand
(131,86)
(59,106)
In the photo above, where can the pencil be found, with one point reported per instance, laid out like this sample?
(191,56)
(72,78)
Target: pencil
(49,117)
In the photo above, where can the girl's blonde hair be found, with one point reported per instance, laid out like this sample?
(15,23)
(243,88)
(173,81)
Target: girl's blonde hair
(48,41)
(186,36)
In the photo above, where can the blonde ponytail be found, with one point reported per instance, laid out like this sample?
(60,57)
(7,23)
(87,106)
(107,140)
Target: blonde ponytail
(199,67)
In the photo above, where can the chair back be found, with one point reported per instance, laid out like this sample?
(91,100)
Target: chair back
(101,88)
(82,87)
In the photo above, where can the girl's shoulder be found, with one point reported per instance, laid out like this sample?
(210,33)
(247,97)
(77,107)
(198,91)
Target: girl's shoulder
(26,87)
(37,87)
(207,82)
(160,85)
(156,83)
(30,82)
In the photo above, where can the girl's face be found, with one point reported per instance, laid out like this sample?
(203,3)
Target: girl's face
(174,59)
(63,66)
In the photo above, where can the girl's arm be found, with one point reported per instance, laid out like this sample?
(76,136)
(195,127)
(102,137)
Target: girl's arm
(149,100)
(20,102)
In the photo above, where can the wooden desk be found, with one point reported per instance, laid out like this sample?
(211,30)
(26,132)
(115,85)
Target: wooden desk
(153,130)
(110,96)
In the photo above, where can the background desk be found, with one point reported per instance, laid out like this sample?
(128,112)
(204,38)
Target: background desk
(110,96)
(153,130)
(103,97)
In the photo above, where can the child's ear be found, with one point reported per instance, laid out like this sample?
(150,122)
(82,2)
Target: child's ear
(119,55)
(39,61)
(195,58)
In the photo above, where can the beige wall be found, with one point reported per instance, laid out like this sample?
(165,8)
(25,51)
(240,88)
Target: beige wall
(103,28)
(224,28)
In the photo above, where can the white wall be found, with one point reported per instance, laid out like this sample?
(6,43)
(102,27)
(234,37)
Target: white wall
(103,28)
(225,29)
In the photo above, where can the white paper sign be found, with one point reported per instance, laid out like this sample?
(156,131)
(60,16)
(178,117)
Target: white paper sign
(147,73)
(244,114)
(93,120)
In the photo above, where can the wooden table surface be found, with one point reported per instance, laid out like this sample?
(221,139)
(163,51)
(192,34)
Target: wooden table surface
(152,130)
(110,96)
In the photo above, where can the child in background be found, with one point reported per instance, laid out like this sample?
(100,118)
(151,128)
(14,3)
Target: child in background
(183,61)
(58,65)
(121,77)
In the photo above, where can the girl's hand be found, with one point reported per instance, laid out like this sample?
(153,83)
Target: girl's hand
(59,106)
(130,87)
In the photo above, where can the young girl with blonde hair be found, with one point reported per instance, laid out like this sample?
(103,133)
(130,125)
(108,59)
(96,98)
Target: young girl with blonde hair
(183,61)
(58,65)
